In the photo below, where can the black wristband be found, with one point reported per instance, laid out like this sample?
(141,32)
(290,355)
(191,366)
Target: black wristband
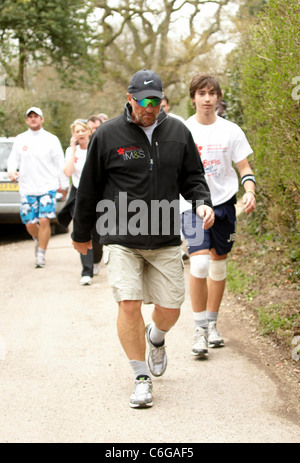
(247,177)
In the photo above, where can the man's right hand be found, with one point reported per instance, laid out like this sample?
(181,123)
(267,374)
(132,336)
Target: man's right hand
(14,176)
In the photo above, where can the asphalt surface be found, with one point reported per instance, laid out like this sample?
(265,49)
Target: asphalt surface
(65,378)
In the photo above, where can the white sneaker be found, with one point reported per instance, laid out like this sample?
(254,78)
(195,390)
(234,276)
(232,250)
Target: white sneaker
(86,280)
(214,338)
(40,261)
(142,394)
(96,269)
(200,344)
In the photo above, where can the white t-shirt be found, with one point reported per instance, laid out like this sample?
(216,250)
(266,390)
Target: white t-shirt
(176,117)
(149,131)
(220,145)
(80,158)
(40,159)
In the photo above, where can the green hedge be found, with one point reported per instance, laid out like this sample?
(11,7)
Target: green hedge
(269,73)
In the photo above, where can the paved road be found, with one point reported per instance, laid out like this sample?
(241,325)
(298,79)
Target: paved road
(64,377)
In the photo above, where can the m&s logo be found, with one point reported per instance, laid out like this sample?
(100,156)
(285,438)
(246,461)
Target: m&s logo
(132,152)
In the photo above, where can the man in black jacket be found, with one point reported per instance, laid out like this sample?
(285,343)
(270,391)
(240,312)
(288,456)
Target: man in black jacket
(136,167)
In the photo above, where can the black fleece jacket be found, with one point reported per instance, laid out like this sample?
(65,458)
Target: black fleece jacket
(122,167)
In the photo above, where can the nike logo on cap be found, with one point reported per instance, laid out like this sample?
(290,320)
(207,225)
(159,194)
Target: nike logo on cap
(147,82)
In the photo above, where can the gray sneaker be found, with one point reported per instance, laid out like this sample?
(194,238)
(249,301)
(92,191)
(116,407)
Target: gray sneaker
(142,394)
(200,344)
(214,338)
(157,358)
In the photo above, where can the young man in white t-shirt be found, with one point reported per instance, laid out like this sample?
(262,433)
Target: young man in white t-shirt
(220,144)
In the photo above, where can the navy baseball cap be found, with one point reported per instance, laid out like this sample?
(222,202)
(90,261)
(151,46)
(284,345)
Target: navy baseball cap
(145,83)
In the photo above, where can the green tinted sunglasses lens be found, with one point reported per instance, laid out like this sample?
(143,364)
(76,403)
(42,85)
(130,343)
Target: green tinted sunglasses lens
(146,101)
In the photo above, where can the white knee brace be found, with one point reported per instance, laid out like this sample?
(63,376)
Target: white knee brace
(199,265)
(217,269)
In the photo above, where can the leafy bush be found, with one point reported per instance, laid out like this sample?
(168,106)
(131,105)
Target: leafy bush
(269,66)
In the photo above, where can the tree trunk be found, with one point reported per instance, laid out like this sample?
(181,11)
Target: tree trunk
(22,62)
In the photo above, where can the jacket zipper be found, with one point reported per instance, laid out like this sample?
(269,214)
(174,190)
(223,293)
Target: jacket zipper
(157,154)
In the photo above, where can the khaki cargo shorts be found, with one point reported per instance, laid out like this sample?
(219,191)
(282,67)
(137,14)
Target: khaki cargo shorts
(155,276)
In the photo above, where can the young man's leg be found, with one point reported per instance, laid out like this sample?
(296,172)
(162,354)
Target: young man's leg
(198,242)
(199,267)
(216,286)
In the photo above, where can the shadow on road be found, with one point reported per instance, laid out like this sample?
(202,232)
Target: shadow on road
(11,233)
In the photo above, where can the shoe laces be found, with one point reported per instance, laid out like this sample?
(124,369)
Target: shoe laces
(199,334)
(212,328)
(158,354)
(143,386)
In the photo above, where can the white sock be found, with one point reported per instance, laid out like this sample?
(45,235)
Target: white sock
(41,251)
(200,319)
(140,368)
(212,316)
(157,336)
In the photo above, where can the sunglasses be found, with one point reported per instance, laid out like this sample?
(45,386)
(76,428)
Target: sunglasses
(146,101)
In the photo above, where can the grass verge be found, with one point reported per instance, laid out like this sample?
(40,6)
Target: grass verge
(264,272)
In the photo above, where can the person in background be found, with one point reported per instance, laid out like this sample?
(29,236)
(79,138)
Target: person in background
(140,156)
(36,162)
(166,107)
(220,143)
(103,117)
(75,160)
(221,109)
(94,122)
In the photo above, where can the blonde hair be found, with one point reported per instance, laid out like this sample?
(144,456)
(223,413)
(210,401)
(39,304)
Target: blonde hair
(83,124)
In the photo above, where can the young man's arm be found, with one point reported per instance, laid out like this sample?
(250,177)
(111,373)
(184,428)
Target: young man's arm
(248,181)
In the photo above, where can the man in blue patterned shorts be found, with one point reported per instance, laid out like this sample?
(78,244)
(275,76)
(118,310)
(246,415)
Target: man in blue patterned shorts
(37,161)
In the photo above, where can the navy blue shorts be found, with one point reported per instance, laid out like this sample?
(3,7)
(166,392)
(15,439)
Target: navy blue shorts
(220,236)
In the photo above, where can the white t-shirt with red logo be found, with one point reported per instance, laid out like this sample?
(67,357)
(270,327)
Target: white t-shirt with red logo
(220,145)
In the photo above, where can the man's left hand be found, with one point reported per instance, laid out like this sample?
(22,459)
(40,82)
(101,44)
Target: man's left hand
(207,214)
(249,201)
